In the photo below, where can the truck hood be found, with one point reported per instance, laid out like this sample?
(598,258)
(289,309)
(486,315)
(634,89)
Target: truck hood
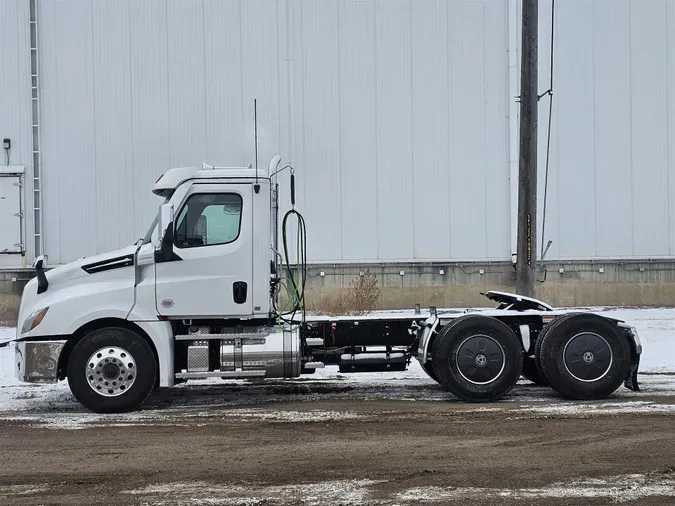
(72,283)
(85,266)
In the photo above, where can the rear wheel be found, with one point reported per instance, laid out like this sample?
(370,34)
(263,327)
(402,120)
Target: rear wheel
(584,356)
(532,372)
(477,358)
(429,369)
(111,370)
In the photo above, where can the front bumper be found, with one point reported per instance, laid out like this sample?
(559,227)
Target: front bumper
(38,361)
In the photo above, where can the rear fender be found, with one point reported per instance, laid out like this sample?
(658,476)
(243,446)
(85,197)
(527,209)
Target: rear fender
(428,330)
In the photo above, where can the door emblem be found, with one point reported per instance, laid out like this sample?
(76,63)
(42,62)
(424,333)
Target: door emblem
(167,303)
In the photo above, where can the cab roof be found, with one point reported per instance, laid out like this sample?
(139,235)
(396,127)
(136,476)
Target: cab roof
(172,178)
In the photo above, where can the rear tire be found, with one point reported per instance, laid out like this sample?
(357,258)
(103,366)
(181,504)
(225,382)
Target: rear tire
(584,356)
(532,373)
(537,351)
(428,368)
(111,370)
(477,358)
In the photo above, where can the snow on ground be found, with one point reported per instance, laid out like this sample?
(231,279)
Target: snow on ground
(352,492)
(614,489)
(617,489)
(656,329)
(54,406)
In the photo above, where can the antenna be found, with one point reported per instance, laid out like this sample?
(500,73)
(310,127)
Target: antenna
(256,187)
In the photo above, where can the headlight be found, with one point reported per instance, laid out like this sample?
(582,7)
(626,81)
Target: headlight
(34,320)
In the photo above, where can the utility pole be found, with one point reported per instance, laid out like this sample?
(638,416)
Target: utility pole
(527,166)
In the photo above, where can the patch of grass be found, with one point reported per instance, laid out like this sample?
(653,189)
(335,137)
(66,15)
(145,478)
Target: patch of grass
(361,297)
(9,309)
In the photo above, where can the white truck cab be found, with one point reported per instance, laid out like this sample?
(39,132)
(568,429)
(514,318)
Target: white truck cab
(206,256)
(197,298)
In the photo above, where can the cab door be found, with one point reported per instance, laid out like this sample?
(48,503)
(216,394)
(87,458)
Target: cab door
(211,272)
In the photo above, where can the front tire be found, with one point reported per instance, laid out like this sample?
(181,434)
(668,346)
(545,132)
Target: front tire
(477,358)
(584,356)
(111,370)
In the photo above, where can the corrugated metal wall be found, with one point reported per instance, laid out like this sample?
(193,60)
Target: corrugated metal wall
(15,104)
(400,114)
(612,174)
(395,114)
(134,88)
(395,117)
(15,80)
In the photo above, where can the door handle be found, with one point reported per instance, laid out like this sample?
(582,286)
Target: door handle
(239,291)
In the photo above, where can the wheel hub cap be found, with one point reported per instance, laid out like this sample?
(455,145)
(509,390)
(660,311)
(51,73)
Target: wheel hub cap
(587,356)
(480,359)
(111,371)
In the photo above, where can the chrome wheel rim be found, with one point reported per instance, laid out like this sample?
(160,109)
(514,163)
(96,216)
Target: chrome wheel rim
(111,371)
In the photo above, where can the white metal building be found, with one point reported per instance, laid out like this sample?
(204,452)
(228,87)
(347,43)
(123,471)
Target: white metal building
(400,117)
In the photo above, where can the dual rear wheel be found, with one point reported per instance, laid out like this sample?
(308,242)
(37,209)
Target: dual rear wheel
(580,355)
(583,356)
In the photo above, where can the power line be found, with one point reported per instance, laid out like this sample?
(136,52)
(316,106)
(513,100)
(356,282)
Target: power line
(549,92)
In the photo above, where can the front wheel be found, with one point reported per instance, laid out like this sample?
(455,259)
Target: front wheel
(111,370)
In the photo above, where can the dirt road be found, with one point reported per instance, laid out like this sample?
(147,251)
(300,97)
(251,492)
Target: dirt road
(327,442)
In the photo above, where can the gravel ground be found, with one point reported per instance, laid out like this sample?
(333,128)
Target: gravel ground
(327,441)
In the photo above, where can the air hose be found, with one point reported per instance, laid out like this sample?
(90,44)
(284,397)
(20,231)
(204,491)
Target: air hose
(295,277)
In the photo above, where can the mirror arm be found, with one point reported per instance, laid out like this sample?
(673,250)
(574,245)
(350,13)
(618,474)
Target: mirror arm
(166,253)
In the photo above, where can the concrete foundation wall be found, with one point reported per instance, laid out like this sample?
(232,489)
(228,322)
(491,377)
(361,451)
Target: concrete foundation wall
(580,284)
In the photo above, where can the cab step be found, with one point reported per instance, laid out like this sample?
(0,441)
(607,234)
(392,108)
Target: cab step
(221,374)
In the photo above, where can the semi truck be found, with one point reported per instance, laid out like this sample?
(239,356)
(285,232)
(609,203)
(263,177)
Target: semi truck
(199,297)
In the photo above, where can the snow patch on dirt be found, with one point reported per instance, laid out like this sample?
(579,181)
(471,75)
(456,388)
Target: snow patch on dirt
(21,490)
(577,410)
(291,416)
(176,418)
(344,492)
(617,489)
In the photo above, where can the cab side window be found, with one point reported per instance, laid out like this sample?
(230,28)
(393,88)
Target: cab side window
(208,219)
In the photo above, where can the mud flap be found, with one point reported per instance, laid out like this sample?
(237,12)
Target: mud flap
(631,381)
